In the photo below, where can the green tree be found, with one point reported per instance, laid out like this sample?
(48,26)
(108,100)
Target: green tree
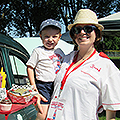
(6,15)
(69,8)
(22,16)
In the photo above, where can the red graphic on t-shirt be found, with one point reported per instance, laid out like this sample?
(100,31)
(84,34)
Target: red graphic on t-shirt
(56,62)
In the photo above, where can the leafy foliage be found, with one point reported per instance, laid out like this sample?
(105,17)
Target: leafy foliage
(26,15)
(22,16)
(112,43)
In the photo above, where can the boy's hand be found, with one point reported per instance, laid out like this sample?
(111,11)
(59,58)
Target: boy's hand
(40,97)
(35,88)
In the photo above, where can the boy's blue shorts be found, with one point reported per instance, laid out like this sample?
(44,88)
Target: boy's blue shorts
(45,89)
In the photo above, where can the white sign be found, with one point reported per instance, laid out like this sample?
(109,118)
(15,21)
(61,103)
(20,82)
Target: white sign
(2,93)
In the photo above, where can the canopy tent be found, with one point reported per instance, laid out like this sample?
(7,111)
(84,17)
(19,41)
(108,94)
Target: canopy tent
(111,24)
(32,42)
(66,37)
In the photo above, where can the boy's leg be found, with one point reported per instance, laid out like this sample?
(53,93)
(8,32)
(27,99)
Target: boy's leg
(44,115)
(45,89)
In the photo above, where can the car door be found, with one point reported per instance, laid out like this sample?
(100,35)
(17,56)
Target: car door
(13,58)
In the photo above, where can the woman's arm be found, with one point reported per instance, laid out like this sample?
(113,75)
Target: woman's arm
(110,115)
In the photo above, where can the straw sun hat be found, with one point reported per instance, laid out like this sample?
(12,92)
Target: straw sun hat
(86,16)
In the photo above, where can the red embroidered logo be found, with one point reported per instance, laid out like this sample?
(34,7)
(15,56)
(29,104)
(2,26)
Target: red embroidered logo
(57,106)
(93,66)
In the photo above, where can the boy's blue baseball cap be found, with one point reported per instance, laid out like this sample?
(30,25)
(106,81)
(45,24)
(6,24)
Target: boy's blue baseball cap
(49,22)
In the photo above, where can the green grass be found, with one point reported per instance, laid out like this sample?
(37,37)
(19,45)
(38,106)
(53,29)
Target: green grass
(114,57)
(104,118)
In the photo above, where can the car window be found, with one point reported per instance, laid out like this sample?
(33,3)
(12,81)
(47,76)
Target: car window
(19,70)
(18,66)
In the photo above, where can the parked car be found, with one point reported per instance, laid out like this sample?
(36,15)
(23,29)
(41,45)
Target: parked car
(13,57)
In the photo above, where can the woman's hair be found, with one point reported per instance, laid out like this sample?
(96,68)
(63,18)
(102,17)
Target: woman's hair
(98,36)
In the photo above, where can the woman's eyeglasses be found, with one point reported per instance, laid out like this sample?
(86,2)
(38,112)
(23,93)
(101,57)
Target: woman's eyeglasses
(87,29)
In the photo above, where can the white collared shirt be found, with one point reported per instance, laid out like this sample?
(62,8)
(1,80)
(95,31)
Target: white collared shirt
(95,83)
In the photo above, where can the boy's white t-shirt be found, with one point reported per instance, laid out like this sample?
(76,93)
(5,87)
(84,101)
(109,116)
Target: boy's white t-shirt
(46,63)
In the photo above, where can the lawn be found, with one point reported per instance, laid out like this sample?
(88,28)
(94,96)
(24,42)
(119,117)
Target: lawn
(102,115)
(104,118)
(114,58)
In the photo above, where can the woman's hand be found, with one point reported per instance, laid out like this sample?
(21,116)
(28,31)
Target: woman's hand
(39,98)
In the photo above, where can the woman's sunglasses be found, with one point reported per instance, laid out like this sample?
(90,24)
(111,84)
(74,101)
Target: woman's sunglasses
(87,29)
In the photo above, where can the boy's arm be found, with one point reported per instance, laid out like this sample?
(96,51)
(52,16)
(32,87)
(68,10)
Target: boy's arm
(30,73)
(110,115)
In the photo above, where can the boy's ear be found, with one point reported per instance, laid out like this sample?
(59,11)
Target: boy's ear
(40,35)
(60,36)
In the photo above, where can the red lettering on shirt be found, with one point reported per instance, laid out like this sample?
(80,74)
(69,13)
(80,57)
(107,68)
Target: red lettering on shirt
(51,57)
(93,66)
(89,75)
(59,56)
(57,105)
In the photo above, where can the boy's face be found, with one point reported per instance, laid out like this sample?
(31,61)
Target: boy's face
(50,37)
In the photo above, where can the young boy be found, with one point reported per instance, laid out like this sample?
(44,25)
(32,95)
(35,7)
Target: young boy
(46,61)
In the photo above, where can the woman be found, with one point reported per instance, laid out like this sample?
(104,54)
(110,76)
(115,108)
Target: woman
(88,81)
